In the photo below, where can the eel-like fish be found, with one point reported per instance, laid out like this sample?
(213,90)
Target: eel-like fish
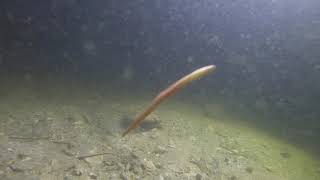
(171,90)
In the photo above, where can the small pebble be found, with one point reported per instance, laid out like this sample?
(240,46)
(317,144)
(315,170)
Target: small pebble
(108,163)
(285,155)
(125,176)
(14,168)
(92,176)
(149,166)
(198,177)
(171,144)
(67,178)
(160,150)
(76,172)
(226,160)
(21,156)
(249,170)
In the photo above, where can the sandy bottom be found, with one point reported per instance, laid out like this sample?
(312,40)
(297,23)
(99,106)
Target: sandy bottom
(73,132)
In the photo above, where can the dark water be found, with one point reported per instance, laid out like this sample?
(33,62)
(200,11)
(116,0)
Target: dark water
(266,52)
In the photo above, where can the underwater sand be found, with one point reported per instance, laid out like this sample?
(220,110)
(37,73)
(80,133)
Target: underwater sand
(46,127)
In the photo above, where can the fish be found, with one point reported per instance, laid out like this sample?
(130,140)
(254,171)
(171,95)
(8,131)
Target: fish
(168,92)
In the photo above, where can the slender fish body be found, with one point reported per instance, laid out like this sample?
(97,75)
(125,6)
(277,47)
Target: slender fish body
(171,90)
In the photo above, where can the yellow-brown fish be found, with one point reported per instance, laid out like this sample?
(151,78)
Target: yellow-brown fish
(171,90)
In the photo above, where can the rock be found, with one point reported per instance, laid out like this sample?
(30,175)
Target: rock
(114,176)
(152,123)
(226,160)
(187,169)
(198,176)
(126,176)
(68,152)
(171,144)
(249,170)
(161,177)
(235,151)
(200,163)
(92,176)
(15,168)
(137,170)
(192,138)
(94,161)
(158,165)
(76,172)
(154,133)
(269,168)
(108,163)
(21,156)
(160,150)
(148,165)
(3,138)
(167,176)
(285,155)
(121,166)
(67,178)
